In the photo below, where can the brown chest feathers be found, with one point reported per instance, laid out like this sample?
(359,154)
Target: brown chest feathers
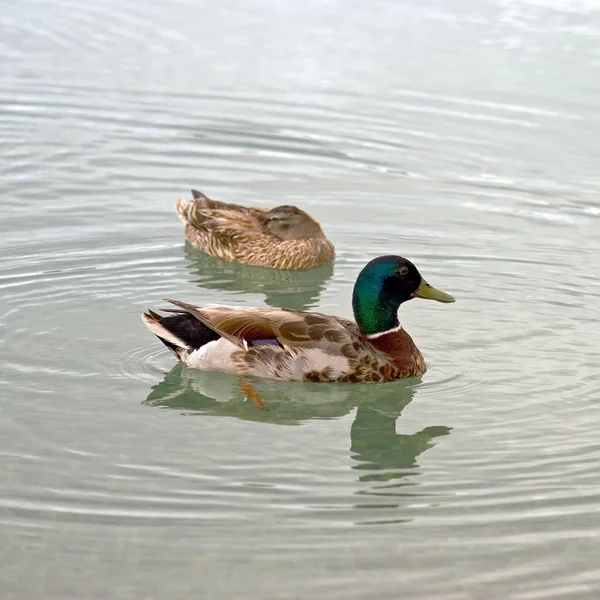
(388,357)
(404,358)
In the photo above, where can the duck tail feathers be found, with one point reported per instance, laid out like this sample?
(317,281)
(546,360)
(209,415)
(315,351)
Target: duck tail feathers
(182,333)
(154,322)
(182,208)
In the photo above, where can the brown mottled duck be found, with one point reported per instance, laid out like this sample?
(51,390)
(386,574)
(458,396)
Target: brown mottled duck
(283,237)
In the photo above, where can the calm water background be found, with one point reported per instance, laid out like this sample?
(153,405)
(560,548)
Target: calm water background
(463,135)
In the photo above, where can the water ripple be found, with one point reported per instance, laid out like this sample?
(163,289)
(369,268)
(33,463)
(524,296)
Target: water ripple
(477,480)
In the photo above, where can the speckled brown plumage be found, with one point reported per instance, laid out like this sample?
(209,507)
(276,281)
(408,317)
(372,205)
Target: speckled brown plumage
(284,237)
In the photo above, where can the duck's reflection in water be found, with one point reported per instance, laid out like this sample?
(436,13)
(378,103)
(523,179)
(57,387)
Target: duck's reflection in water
(299,290)
(380,453)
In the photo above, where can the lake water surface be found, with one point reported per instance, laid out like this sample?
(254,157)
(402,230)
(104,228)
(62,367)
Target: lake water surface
(463,135)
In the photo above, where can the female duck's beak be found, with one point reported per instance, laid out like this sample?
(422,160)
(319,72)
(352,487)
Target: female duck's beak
(430,293)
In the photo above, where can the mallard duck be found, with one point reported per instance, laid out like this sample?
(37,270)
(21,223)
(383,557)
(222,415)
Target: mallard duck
(283,237)
(291,345)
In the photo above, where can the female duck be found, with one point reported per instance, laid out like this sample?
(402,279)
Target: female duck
(277,343)
(284,237)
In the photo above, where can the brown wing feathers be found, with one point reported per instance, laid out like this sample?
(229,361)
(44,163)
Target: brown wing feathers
(237,328)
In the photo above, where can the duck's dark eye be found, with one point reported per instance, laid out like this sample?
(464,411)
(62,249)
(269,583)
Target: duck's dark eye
(402,271)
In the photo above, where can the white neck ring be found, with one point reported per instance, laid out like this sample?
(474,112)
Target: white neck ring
(374,336)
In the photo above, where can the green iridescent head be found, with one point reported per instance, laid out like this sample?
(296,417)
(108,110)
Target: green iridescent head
(382,286)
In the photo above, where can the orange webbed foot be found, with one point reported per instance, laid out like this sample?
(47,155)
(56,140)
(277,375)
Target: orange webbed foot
(251,393)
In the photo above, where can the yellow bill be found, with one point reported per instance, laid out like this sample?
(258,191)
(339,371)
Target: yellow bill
(430,293)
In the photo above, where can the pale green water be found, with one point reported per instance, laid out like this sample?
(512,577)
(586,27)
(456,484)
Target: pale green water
(463,135)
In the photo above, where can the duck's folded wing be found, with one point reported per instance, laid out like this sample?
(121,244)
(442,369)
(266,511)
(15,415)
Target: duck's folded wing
(227,217)
(289,329)
(203,202)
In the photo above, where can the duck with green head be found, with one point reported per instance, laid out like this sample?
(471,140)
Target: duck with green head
(291,345)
